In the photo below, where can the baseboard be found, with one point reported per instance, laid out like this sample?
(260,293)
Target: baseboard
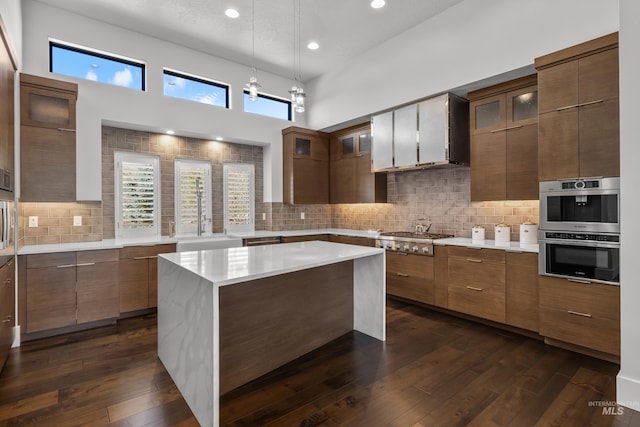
(628,391)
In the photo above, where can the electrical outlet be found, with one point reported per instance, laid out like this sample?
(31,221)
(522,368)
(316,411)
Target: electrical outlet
(301,215)
(77,220)
(264,216)
(33,221)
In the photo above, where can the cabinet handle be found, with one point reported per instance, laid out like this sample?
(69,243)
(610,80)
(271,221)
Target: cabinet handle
(66,130)
(86,264)
(402,274)
(474,247)
(146,257)
(402,253)
(507,128)
(359,155)
(473,288)
(7,320)
(474,260)
(586,282)
(7,282)
(66,266)
(568,107)
(577,313)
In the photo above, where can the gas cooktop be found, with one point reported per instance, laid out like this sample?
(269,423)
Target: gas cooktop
(409,241)
(414,235)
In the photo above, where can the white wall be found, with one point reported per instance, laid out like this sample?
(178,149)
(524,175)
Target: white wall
(471,41)
(628,384)
(11,13)
(150,110)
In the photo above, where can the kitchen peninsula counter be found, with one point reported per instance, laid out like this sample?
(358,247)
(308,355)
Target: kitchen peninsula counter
(228,316)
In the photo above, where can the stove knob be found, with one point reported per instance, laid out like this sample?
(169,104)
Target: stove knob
(406,248)
(425,250)
(415,249)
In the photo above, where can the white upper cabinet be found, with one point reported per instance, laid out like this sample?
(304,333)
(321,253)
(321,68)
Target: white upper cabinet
(382,141)
(433,129)
(405,136)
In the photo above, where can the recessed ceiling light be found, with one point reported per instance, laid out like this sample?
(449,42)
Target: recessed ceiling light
(377,4)
(218,138)
(232,13)
(313,45)
(171,132)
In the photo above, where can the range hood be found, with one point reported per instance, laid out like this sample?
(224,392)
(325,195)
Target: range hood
(431,133)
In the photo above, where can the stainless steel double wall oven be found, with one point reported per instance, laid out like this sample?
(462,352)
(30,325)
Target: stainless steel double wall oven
(580,229)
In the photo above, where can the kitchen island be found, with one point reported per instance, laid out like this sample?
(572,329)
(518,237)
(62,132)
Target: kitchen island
(228,316)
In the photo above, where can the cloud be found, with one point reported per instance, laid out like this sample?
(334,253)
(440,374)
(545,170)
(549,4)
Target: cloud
(91,75)
(206,98)
(122,78)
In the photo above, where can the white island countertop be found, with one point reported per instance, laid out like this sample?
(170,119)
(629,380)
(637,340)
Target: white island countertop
(234,265)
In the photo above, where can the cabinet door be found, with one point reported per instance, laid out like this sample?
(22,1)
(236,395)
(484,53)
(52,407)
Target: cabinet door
(522,290)
(488,166)
(48,165)
(98,295)
(522,163)
(487,114)
(522,107)
(48,108)
(410,276)
(134,284)
(440,276)
(433,125)
(558,147)
(7,304)
(153,271)
(405,136)
(311,181)
(600,139)
(598,79)
(7,76)
(343,180)
(352,240)
(51,297)
(382,141)
(558,87)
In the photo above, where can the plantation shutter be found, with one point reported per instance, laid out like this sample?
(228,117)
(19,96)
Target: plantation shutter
(187,174)
(239,197)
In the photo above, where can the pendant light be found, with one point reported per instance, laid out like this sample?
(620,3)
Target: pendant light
(253,84)
(297,92)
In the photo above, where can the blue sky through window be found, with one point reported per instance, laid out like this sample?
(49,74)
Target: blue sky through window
(193,89)
(267,106)
(87,65)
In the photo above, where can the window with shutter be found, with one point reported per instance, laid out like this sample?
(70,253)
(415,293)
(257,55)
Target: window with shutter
(187,173)
(137,198)
(239,197)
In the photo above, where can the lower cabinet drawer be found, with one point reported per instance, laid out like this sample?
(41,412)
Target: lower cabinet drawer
(582,329)
(485,302)
(410,276)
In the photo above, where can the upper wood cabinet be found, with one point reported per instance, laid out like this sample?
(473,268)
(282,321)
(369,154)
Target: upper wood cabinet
(305,166)
(48,140)
(504,141)
(351,179)
(7,114)
(579,132)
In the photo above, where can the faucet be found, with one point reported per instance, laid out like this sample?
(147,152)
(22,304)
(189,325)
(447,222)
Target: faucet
(200,226)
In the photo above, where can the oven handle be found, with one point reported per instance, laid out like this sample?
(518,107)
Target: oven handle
(610,245)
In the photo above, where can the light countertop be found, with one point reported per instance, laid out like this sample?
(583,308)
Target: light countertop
(235,265)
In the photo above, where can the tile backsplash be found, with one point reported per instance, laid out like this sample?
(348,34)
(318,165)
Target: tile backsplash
(440,197)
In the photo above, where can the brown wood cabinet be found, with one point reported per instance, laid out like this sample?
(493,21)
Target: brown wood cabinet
(584,314)
(352,240)
(351,179)
(7,113)
(440,276)
(7,309)
(69,288)
(476,282)
(522,290)
(311,237)
(305,166)
(504,141)
(410,276)
(48,140)
(138,276)
(579,121)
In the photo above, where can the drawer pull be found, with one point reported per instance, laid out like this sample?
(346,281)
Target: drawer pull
(66,266)
(473,247)
(473,288)
(146,257)
(66,130)
(7,320)
(474,260)
(577,313)
(86,264)
(402,274)
(584,104)
(586,282)
(401,253)
(508,128)
(7,281)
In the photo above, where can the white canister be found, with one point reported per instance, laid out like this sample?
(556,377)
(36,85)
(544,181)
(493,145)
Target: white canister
(477,233)
(503,234)
(529,233)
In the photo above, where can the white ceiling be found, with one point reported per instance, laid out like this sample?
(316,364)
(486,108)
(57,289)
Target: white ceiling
(343,28)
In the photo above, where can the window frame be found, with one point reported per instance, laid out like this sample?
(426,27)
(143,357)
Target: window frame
(183,230)
(120,231)
(98,54)
(226,167)
(245,92)
(198,79)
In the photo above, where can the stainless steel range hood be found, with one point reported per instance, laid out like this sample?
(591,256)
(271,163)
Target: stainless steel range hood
(430,133)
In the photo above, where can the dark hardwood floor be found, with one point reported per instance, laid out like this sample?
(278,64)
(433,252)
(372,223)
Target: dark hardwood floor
(433,370)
